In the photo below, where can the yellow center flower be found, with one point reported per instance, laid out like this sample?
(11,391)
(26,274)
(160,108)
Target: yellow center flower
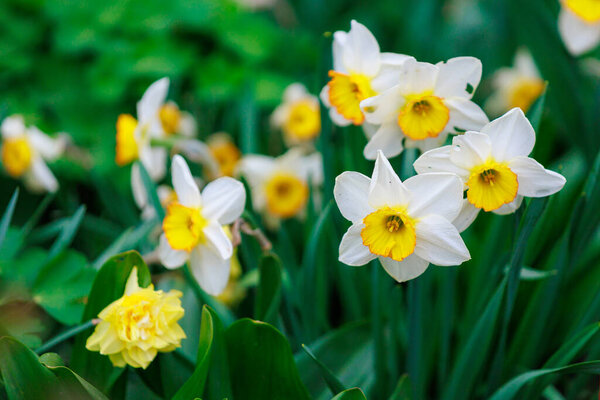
(492,185)
(138,325)
(183,227)
(286,195)
(346,92)
(588,10)
(423,116)
(525,93)
(304,120)
(127,148)
(170,116)
(16,156)
(390,232)
(226,153)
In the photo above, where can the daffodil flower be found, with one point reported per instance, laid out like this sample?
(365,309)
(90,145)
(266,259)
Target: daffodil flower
(427,103)
(360,71)
(406,225)
(219,156)
(299,116)
(193,226)
(518,86)
(134,328)
(579,25)
(174,121)
(494,167)
(166,194)
(280,186)
(25,151)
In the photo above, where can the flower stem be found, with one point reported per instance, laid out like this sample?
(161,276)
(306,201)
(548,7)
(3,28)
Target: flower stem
(66,335)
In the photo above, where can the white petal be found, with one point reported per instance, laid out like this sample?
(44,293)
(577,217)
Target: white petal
(389,72)
(224,200)
(154,160)
(454,76)
(339,42)
(152,100)
(426,144)
(465,115)
(437,193)
(13,126)
(386,189)
(351,193)
(438,160)
(218,239)
(311,168)
(137,187)
(511,207)
(466,216)
(210,269)
(360,52)
(534,180)
(168,256)
(405,270)
(48,147)
(511,135)
(198,151)
(256,169)
(41,176)
(294,92)
(384,107)
(439,242)
(388,139)
(525,64)
(578,35)
(417,77)
(187,125)
(338,118)
(352,250)
(470,150)
(187,191)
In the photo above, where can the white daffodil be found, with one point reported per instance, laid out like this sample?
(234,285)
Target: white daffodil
(579,25)
(494,166)
(193,227)
(407,225)
(359,71)
(25,151)
(299,116)
(517,86)
(427,103)
(280,186)
(134,135)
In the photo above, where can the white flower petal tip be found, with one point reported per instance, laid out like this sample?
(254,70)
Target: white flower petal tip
(534,179)
(170,257)
(224,200)
(439,242)
(187,191)
(410,268)
(352,250)
(210,270)
(386,188)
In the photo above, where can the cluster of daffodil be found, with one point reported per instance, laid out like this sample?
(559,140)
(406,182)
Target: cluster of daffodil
(402,102)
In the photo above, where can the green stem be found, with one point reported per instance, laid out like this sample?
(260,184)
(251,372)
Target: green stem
(66,335)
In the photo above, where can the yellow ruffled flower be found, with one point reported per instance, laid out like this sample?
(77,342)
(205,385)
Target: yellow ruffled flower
(138,325)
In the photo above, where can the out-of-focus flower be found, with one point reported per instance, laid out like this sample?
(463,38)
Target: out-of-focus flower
(175,121)
(280,186)
(234,292)
(193,227)
(299,116)
(359,71)
(25,151)
(134,135)
(494,167)
(427,103)
(225,152)
(138,325)
(407,225)
(518,86)
(165,193)
(257,4)
(579,25)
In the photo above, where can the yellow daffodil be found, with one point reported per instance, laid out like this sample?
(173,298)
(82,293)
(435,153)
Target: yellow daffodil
(25,151)
(135,327)
(280,185)
(360,71)
(579,25)
(494,167)
(519,86)
(299,116)
(427,103)
(406,225)
(192,228)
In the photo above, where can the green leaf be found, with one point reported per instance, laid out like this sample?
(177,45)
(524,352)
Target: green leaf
(261,363)
(8,214)
(67,233)
(350,394)
(332,381)
(151,192)
(219,382)
(402,390)
(535,112)
(268,294)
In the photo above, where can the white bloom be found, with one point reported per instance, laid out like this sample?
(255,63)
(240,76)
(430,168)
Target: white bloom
(404,224)
(494,166)
(25,152)
(579,25)
(193,227)
(427,103)
(298,116)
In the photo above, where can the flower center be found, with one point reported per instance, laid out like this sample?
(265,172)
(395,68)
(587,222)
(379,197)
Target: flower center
(16,156)
(183,227)
(226,154)
(304,121)
(127,148)
(390,232)
(525,93)
(423,116)
(492,185)
(346,92)
(286,195)
(587,10)
(170,117)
